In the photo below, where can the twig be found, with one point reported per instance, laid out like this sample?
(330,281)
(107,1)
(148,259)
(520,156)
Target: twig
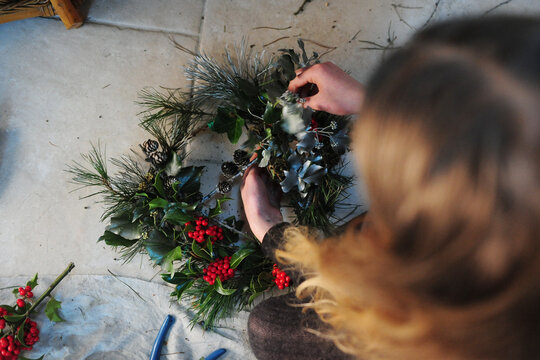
(497,6)
(319,44)
(117,278)
(301,8)
(271,27)
(355,35)
(9,287)
(278,39)
(432,13)
(181,47)
(395,6)
(51,287)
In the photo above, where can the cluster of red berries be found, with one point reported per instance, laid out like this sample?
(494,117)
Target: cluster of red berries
(219,269)
(200,230)
(280,277)
(26,292)
(10,348)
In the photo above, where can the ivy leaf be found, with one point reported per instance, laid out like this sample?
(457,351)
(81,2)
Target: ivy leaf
(168,260)
(51,310)
(158,184)
(158,203)
(217,210)
(238,256)
(219,288)
(122,225)
(228,121)
(33,282)
(112,239)
(189,179)
(173,166)
(271,114)
(157,246)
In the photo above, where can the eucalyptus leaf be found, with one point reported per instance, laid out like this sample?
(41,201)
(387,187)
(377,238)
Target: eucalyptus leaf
(219,288)
(51,310)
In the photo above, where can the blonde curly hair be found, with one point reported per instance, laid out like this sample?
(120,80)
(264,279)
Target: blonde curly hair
(447,263)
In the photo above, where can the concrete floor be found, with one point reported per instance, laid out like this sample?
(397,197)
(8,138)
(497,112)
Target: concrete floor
(60,90)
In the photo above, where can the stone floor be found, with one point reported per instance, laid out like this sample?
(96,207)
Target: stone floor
(61,90)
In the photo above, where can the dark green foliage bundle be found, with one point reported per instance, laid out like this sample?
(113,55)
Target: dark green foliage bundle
(154,205)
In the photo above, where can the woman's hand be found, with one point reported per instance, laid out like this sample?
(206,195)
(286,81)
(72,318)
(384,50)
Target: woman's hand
(261,202)
(338,93)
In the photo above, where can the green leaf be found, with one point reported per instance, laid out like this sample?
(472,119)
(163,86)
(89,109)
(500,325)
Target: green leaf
(15,292)
(181,288)
(25,358)
(271,114)
(173,255)
(158,184)
(158,246)
(253,297)
(173,166)
(177,278)
(228,121)
(240,255)
(33,282)
(10,309)
(199,252)
(20,336)
(122,225)
(176,215)
(217,210)
(138,213)
(51,310)
(158,203)
(13,318)
(189,179)
(112,239)
(219,288)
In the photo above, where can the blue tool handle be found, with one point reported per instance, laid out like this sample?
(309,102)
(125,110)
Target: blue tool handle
(215,354)
(156,349)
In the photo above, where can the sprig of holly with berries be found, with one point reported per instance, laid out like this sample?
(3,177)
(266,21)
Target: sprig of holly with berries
(18,332)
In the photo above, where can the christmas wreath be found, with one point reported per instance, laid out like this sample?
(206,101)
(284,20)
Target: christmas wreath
(156,207)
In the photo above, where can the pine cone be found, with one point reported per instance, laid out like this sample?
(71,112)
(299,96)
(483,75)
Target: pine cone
(149,146)
(158,158)
(229,168)
(241,158)
(224,187)
(169,181)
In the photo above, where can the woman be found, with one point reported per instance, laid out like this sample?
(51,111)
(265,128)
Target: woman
(447,263)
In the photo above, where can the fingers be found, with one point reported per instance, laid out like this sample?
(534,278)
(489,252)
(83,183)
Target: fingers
(314,103)
(299,81)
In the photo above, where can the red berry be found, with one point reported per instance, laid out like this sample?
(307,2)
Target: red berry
(205,222)
(29,294)
(188,223)
(2,323)
(20,303)
(22,292)
(3,343)
(28,288)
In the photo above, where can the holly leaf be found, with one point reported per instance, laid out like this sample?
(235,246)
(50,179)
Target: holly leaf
(176,215)
(220,289)
(217,210)
(235,132)
(173,166)
(33,282)
(14,318)
(112,239)
(10,309)
(238,256)
(158,203)
(20,336)
(181,288)
(177,278)
(51,310)
(198,251)
(170,258)
(158,246)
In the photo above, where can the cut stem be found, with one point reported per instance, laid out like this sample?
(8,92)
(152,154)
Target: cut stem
(51,288)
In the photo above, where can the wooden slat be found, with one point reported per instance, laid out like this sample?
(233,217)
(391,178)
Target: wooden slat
(68,13)
(27,13)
